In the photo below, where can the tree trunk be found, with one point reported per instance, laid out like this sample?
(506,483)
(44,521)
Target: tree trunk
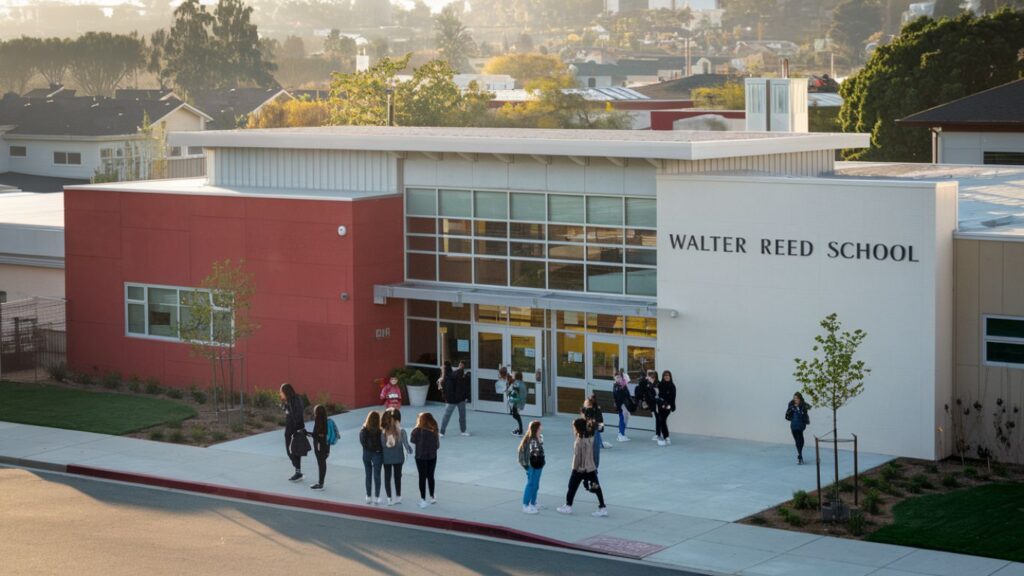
(835,453)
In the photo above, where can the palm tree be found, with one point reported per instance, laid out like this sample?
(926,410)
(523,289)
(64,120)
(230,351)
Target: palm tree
(454,42)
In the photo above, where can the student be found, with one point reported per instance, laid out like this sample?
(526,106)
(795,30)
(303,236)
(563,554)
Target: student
(455,395)
(294,424)
(583,469)
(664,405)
(799,415)
(591,412)
(623,403)
(369,438)
(395,445)
(321,449)
(516,394)
(425,437)
(531,458)
(391,394)
(646,394)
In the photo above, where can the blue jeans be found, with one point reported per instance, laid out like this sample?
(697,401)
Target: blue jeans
(532,486)
(623,417)
(372,462)
(598,444)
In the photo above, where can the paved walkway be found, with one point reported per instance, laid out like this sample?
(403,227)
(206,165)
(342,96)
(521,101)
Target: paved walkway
(672,506)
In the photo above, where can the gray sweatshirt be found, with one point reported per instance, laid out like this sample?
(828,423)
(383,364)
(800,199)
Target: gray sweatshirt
(395,454)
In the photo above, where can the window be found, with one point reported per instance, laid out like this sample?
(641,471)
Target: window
(165,312)
(3,296)
(195,150)
(174,151)
(67,158)
(1004,158)
(18,151)
(1004,341)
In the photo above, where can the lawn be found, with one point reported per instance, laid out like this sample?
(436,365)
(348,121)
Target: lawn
(985,521)
(106,413)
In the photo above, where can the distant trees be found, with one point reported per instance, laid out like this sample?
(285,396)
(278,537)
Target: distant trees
(101,60)
(854,22)
(54,59)
(530,67)
(552,107)
(284,113)
(453,41)
(729,96)
(929,63)
(16,63)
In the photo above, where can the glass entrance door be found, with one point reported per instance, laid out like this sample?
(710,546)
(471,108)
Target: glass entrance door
(518,349)
(605,355)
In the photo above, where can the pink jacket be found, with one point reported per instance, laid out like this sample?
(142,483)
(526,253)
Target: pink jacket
(391,395)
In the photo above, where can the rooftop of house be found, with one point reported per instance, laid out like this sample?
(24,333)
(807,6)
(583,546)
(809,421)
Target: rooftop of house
(991,198)
(51,91)
(228,107)
(1002,106)
(640,144)
(33,183)
(32,209)
(144,93)
(682,87)
(32,229)
(80,116)
(589,94)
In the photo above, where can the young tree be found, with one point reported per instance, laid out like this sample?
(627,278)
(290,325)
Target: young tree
(832,378)
(729,96)
(928,64)
(102,60)
(189,49)
(237,46)
(293,48)
(16,63)
(291,113)
(361,98)
(215,320)
(453,41)
(530,67)
(553,107)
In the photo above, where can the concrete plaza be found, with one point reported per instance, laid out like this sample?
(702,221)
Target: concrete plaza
(672,506)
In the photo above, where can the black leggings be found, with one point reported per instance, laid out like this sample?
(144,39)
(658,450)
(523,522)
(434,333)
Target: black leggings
(574,484)
(296,460)
(661,422)
(798,437)
(426,471)
(321,452)
(519,420)
(397,469)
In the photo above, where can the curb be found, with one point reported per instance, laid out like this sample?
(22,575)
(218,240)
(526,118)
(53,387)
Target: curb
(355,510)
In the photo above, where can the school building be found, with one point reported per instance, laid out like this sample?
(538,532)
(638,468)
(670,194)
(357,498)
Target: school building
(570,253)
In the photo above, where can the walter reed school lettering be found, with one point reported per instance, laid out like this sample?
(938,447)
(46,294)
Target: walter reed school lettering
(793,247)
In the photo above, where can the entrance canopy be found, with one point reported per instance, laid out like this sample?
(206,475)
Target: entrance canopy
(516,297)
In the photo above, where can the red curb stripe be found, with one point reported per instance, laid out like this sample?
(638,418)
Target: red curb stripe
(388,515)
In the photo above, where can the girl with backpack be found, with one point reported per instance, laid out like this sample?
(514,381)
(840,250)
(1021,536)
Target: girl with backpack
(369,438)
(516,395)
(425,437)
(623,402)
(583,469)
(531,458)
(798,413)
(591,412)
(391,394)
(294,428)
(324,435)
(665,404)
(396,445)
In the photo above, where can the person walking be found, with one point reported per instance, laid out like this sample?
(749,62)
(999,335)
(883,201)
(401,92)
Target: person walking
(395,445)
(798,413)
(583,469)
(369,438)
(321,443)
(391,394)
(455,395)
(516,397)
(427,441)
(531,458)
(294,424)
(591,412)
(646,395)
(665,404)
(623,402)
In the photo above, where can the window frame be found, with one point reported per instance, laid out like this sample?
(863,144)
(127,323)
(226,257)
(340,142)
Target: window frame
(986,339)
(12,147)
(67,158)
(145,306)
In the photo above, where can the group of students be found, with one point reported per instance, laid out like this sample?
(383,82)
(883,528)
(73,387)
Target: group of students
(653,394)
(384,442)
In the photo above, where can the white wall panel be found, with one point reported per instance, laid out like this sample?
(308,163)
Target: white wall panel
(304,169)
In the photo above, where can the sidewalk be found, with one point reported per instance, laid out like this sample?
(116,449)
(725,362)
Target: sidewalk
(671,506)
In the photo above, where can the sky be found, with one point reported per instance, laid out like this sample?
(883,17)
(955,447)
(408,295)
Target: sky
(435,5)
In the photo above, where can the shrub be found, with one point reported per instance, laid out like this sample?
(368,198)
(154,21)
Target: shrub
(870,482)
(793,518)
(58,371)
(237,428)
(845,486)
(891,471)
(758,520)
(157,435)
(856,524)
(111,381)
(970,471)
(923,481)
(84,379)
(932,469)
(153,386)
(872,501)
(135,384)
(890,489)
(999,469)
(174,425)
(262,398)
(198,434)
(950,481)
(197,395)
(175,393)
(218,436)
(267,417)
(177,437)
(802,501)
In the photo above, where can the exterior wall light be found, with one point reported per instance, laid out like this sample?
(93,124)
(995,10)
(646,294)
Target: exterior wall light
(342,230)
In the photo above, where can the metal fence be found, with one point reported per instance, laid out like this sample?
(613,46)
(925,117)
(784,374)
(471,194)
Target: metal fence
(33,338)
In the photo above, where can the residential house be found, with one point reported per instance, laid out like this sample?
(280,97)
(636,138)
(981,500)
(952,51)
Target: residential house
(983,128)
(232,108)
(51,91)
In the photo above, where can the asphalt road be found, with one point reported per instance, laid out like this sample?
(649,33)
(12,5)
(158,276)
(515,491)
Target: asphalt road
(56,524)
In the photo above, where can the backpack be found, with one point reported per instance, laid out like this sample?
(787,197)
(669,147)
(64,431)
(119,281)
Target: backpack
(332,432)
(524,456)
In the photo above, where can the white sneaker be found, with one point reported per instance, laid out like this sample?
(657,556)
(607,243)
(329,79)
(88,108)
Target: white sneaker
(668,440)
(623,438)
(564,509)
(433,500)
(377,501)
(398,499)
(464,433)
(655,437)
(423,504)
(661,442)
(390,503)
(369,500)
(531,510)
(600,512)
(441,434)
(605,445)
(526,509)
